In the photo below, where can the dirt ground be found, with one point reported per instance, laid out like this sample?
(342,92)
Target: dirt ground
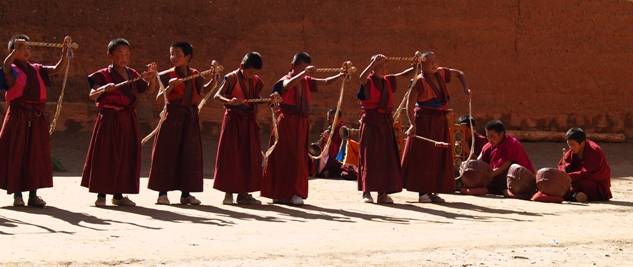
(333,229)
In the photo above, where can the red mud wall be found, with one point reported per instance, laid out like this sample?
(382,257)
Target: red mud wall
(536,65)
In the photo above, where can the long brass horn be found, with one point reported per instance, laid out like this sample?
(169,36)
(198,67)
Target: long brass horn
(315,149)
(344,132)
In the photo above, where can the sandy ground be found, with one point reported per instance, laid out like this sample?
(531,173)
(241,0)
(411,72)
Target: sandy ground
(332,229)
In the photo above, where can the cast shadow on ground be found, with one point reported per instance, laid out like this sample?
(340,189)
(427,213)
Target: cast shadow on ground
(613,203)
(451,215)
(230,213)
(75,218)
(296,213)
(320,213)
(13,223)
(469,206)
(169,216)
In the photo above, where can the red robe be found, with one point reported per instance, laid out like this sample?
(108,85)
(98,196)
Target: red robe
(177,152)
(238,164)
(425,167)
(113,162)
(509,149)
(379,159)
(286,172)
(590,175)
(25,161)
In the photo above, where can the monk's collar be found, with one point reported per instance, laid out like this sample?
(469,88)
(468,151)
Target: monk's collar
(111,68)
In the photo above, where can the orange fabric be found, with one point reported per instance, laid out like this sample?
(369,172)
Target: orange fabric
(351,153)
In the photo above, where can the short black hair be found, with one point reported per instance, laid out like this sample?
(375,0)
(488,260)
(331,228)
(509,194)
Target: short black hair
(186,48)
(576,134)
(15,37)
(468,120)
(253,60)
(301,57)
(496,125)
(332,110)
(117,42)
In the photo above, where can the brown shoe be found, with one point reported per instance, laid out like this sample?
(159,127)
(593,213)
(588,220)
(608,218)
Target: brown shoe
(18,202)
(36,202)
(123,202)
(437,199)
(247,199)
(384,199)
(191,200)
(101,202)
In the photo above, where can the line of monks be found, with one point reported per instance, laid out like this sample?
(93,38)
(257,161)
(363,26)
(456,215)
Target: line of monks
(113,160)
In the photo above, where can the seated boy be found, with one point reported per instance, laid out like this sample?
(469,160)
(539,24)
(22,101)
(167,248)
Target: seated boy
(586,164)
(328,166)
(501,151)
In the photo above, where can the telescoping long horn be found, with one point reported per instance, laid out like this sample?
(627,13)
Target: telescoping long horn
(344,132)
(315,149)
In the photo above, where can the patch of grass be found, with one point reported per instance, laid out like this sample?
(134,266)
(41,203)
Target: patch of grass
(57,164)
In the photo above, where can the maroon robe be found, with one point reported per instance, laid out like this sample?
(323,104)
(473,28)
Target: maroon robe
(509,149)
(378,159)
(113,162)
(590,175)
(425,167)
(177,153)
(238,163)
(286,172)
(25,160)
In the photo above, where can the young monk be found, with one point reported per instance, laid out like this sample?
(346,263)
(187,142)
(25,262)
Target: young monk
(25,160)
(238,165)
(502,151)
(426,168)
(286,172)
(379,159)
(328,166)
(177,153)
(586,164)
(113,163)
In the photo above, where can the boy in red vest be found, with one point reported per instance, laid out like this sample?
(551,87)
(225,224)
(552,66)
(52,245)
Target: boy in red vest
(25,161)
(286,173)
(428,169)
(238,165)
(177,153)
(586,164)
(379,159)
(113,163)
(501,151)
